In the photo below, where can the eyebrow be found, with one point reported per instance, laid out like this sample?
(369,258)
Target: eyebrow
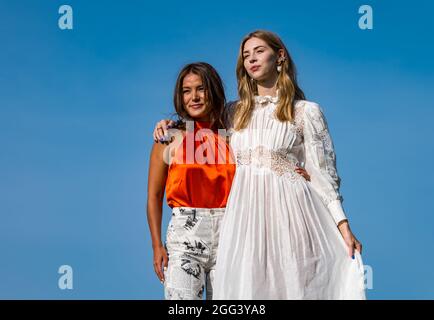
(254,49)
(187,87)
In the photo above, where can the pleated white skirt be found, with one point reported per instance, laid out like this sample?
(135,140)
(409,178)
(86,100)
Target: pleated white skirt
(278,241)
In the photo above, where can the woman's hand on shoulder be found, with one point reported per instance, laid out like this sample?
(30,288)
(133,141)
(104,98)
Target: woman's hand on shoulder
(161,133)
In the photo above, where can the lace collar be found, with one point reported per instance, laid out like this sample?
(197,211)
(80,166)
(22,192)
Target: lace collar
(265,100)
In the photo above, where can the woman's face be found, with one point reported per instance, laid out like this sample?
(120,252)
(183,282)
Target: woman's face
(260,61)
(194,97)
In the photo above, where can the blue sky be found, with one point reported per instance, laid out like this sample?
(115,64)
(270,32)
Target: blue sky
(77,109)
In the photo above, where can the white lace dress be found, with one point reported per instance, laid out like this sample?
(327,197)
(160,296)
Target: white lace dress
(279,238)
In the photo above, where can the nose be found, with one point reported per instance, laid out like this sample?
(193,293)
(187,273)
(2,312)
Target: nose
(252,58)
(195,95)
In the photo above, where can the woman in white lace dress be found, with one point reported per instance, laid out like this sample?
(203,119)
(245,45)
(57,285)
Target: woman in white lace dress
(283,237)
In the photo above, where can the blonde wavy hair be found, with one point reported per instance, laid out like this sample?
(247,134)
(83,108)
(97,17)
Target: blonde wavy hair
(289,91)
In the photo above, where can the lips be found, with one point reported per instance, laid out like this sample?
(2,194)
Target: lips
(254,68)
(196,106)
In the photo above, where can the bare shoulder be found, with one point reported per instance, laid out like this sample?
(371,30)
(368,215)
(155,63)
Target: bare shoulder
(157,151)
(169,148)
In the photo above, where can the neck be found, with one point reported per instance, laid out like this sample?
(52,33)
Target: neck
(268,87)
(203,119)
(201,124)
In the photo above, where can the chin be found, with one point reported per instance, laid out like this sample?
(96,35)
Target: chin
(197,115)
(253,76)
(263,75)
(259,77)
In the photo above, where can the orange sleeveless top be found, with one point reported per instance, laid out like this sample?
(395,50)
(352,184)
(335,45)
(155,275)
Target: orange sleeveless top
(201,172)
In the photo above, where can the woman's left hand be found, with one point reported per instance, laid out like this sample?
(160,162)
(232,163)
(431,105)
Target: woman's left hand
(349,238)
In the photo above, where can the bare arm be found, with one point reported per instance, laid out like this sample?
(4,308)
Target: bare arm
(157,177)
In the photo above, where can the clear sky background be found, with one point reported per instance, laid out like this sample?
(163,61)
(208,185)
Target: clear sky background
(77,110)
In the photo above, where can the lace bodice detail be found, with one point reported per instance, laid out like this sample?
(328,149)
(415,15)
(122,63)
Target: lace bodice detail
(276,146)
(279,161)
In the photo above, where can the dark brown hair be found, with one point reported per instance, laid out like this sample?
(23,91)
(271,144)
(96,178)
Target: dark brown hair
(214,93)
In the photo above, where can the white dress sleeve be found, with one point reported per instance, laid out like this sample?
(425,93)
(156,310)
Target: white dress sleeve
(321,160)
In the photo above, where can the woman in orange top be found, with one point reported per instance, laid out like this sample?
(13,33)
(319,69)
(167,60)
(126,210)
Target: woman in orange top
(196,170)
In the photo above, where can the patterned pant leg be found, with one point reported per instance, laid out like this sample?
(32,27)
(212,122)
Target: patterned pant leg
(188,251)
(184,278)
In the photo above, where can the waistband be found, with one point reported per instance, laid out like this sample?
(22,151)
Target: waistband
(180,211)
